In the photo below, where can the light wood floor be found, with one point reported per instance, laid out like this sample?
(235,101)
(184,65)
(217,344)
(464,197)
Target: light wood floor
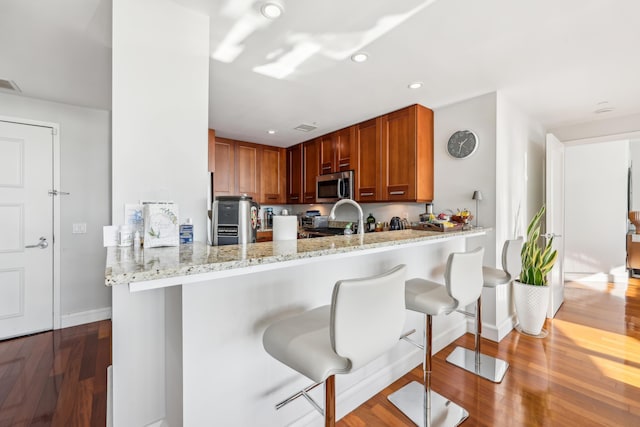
(585,373)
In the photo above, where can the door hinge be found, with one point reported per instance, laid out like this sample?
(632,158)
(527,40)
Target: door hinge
(54,131)
(58,193)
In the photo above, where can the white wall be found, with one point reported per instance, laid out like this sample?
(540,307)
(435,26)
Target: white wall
(456,179)
(85,173)
(160,137)
(160,107)
(595,207)
(520,157)
(634,161)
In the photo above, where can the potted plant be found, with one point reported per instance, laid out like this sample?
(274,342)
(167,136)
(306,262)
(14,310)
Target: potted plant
(531,290)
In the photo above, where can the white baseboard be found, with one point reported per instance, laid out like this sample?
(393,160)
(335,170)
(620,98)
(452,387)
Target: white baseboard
(82,317)
(497,333)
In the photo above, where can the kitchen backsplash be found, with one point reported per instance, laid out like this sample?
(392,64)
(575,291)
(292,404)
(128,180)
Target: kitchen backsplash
(381,211)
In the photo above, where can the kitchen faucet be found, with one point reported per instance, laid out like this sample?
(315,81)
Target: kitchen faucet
(332,215)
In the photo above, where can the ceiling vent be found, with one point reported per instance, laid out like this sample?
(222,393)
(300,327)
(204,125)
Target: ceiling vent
(305,128)
(9,85)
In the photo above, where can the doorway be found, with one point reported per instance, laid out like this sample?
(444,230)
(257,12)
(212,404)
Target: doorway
(29,224)
(597,209)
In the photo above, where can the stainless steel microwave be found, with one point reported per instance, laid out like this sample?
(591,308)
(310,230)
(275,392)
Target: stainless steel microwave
(334,186)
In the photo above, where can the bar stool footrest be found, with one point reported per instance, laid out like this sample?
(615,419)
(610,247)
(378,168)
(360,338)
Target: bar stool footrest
(490,368)
(412,401)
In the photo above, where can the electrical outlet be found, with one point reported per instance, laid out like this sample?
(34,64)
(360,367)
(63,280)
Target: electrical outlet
(79,228)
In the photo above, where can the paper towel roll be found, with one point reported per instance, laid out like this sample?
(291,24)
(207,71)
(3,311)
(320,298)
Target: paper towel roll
(285,227)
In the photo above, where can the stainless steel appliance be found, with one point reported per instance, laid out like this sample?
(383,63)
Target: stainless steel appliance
(334,186)
(317,221)
(235,220)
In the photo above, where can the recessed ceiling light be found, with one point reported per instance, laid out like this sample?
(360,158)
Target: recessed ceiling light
(359,57)
(603,107)
(271,131)
(415,85)
(271,10)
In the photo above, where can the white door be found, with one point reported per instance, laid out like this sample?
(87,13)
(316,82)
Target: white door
(555,218)
(26,229)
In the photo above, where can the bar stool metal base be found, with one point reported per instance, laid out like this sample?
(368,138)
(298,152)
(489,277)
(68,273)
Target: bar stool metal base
(490,368)
(412,401)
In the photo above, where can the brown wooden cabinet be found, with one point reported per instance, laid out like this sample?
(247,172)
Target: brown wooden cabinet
(224,177)
(367,170)
(395,157)
(264,236)
(311,169)
(344,148)
(335,151)
(273,175)
(407,155)
(248,169)
(294,174)
(327,153)
(253,169)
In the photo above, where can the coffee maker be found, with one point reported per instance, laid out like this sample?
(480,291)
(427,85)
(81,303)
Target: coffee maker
(235,220)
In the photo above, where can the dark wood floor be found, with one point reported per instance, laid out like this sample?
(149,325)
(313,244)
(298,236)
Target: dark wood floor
(585,373)
(56,378)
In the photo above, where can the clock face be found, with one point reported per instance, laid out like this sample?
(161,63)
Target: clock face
(462,144)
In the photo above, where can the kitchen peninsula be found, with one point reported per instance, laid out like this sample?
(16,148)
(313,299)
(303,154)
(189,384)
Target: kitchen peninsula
(188,324)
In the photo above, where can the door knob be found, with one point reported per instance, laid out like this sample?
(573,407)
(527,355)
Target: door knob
(43,244)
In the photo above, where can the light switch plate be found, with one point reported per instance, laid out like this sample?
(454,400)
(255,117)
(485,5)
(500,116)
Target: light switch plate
(80,228)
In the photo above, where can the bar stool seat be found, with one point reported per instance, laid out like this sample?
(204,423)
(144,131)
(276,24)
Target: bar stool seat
(463,285)
(494,277)
(474,361)
(365,320)
(303,343)
(425,296)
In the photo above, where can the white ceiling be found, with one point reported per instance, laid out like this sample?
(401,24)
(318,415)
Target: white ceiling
(555,59)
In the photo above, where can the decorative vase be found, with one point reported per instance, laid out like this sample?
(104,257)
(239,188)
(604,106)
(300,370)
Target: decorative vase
(531,306)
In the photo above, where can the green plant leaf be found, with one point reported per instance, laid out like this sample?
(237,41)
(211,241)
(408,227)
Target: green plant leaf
(537,258)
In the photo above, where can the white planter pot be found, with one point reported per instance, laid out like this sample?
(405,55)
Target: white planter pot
(531,306)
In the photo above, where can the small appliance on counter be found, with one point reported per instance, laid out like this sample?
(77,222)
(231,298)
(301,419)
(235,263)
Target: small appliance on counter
(315,221)
(235,220)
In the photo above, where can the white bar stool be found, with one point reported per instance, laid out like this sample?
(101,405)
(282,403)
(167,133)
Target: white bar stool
(488,367)
(365,319)
(463,285)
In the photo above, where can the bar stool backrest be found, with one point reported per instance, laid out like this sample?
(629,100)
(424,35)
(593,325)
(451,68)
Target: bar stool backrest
(463,276)
(511,260)
(367,315)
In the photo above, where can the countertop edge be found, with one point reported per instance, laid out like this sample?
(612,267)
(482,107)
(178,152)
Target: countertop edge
(200,272)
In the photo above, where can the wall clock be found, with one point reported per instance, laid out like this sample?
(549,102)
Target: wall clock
(462,144)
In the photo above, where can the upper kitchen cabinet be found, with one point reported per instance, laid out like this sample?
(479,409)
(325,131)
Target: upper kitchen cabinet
(248,169)
(407,155)
(273,175)
(211,163)
(294,174)
(224,177)
(311,169)
(252,169)
(344,148)
(367,168)
(327,153)
(336,151)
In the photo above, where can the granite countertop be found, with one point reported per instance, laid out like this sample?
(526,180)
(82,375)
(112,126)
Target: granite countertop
(129,265)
